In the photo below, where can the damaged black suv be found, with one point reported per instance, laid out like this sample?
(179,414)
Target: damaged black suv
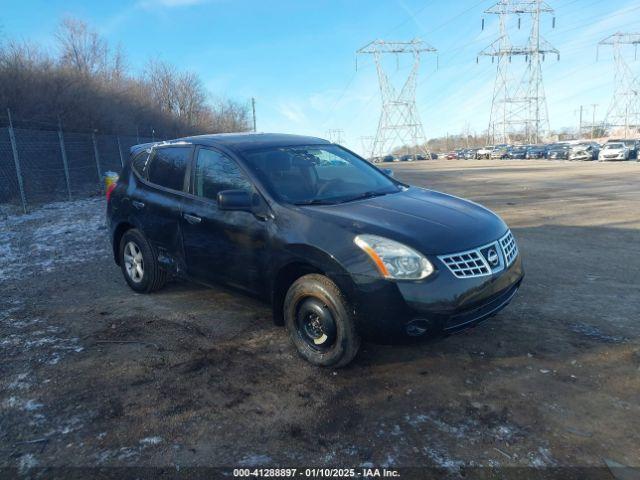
(339,248)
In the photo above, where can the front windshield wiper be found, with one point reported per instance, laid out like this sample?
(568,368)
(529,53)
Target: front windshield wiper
(369,194)
(315,201)
(320,201)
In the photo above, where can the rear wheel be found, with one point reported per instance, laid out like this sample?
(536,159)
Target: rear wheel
(320,321)
(139,263)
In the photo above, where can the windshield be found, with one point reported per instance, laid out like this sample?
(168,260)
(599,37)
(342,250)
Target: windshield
(613,146)
(317,174)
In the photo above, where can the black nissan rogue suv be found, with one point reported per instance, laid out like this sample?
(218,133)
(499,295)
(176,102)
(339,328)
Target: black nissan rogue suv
(339,248)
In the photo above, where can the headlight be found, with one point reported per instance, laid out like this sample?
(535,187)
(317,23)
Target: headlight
(393,259)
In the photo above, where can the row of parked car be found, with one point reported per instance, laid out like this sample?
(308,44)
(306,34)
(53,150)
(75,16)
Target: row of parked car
(404,158)
(613,149)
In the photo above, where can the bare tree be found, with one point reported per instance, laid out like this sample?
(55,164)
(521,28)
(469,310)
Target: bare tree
(82,48)
(180,94)
(89,87)
(230,116)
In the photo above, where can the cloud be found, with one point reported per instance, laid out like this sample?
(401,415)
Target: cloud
(111,24)
(293,112)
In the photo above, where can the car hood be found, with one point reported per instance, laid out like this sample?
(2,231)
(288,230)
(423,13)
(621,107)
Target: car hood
(430,221)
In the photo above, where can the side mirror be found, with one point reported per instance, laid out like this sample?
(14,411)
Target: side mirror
(387,171)
(235,200)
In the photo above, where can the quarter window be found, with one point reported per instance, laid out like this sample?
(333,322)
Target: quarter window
(215,172)
(168,165)
(139,163)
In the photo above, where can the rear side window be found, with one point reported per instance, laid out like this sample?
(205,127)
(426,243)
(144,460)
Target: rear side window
(139,163)
(215,173)
(168,165)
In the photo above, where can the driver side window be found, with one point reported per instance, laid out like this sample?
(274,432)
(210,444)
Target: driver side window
(216,172)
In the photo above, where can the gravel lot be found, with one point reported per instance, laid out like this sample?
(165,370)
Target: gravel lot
(93,374)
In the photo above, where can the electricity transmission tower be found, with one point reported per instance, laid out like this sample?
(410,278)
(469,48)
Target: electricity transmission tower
(367,145)
(518,107)
(335,135)
(399,124)
(624,109)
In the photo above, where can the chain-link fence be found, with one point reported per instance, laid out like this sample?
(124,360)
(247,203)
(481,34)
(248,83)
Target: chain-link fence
(39,166)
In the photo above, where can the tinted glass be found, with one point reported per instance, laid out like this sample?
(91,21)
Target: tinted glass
(168,166)
(215,172)
(139,163)
(318,174)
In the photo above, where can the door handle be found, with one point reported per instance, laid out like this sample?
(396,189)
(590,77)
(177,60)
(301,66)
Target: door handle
(137,204)
(192,219)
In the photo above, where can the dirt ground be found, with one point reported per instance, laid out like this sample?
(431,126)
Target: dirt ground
(93,374)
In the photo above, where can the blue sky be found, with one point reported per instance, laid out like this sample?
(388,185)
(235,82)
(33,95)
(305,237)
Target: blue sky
(296,57)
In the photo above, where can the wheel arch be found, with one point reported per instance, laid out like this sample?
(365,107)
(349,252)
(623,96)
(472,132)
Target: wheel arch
(118,232)
(305,260)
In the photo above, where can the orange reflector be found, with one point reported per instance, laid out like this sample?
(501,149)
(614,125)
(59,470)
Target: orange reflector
(374,256)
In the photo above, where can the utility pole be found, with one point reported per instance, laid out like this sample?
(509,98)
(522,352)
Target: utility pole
(253,109)
(518,108)
(580,123)
(593,120)
(399,124)
(624,109)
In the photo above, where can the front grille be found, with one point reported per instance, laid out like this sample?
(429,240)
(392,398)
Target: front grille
(466,264)
(473,263)
(509,248)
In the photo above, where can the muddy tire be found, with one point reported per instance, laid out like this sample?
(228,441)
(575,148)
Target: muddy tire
(321,322)
(139,263)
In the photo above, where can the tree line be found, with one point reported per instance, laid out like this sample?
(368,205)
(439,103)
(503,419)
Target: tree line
(85,83)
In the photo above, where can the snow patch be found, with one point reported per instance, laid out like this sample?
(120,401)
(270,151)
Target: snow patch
(20,404)
(62,233)
(26,462)
(442,460)
(151,441)
(20,382)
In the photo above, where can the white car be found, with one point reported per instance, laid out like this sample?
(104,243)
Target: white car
(485,152)
(584,151)
(614,151)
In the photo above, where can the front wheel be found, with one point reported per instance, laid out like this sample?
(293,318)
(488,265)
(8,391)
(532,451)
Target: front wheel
(320,322)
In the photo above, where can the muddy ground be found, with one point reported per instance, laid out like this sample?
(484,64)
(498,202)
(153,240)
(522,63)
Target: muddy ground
(93,374)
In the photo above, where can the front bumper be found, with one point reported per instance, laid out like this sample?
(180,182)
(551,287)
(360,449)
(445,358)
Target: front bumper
(440,304)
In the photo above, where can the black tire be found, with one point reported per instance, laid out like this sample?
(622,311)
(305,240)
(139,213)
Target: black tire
(153,277)
(318,293)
